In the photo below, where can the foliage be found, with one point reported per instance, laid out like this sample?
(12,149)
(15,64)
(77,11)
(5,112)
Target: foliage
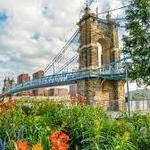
(137,43)
(47,124)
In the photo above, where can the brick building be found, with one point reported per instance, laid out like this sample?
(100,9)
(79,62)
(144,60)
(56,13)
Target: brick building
(38,74)
(60,92)
(40,91)
(22,78)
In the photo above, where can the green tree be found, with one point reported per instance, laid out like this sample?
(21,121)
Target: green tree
(137,42)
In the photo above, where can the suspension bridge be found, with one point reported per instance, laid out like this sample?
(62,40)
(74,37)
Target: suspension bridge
(82,62)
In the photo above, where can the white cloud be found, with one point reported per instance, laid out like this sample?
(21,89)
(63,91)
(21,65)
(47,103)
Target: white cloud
(53,20)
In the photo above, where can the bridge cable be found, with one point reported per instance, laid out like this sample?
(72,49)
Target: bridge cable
(104,12)
(60,54)
(57,57)
(67,63)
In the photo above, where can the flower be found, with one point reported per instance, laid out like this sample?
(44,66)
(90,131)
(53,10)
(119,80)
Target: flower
(127,135)
(7,104)
(37,147)
(2,110)
(11,100)
(63,146)
(64,137)
(3,103)
(59,141)
(22,145)
(54,135)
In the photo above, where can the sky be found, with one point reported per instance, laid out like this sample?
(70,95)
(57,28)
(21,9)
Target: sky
(32,32)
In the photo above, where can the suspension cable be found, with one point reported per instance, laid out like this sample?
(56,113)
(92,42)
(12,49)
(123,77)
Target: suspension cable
(60,54)
(104,12)
(68,63)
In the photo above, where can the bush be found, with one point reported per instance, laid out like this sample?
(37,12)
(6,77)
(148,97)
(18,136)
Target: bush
(89,128)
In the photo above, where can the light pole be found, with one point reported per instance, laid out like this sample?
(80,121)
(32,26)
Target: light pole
(128,95)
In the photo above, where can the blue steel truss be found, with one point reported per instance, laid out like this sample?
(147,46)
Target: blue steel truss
(113,71)
(60,79)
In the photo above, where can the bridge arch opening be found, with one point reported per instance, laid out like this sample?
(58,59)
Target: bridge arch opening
(100,55)
(103,46)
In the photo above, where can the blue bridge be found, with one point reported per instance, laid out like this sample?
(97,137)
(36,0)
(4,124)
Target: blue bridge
(111,71)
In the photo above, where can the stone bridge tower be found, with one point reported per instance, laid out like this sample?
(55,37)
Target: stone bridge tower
(7,83)
(99,45)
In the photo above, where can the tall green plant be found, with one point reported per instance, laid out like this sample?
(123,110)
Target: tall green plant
(137,42)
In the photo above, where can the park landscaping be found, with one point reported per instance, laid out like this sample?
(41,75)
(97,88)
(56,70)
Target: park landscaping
(48,125)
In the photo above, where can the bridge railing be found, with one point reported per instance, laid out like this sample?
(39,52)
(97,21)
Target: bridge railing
(117,67)
(112,69)
(44,82)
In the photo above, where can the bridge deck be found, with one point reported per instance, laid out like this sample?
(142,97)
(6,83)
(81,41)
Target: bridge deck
(61,79)
(113,71)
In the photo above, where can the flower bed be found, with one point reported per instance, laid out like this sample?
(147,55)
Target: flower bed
(48,125)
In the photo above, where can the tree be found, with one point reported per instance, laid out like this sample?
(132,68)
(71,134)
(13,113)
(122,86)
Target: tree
(137,42)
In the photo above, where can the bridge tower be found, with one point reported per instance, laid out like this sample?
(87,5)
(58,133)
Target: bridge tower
(99,45)
(7,83)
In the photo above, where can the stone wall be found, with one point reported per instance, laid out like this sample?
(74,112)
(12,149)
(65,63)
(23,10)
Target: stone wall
(108,94)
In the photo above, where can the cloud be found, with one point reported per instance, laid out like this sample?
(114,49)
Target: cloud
(34,31)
